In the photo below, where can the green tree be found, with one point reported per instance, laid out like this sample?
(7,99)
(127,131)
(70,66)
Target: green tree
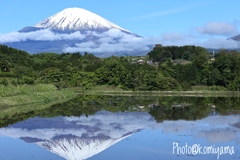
(51,75)
(155,54)
(21,71)
(111,73)
(85,80)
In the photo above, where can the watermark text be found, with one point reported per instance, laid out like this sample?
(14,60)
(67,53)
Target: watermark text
(198,149)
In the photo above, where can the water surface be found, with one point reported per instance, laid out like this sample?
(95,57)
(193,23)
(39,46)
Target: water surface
(107,127)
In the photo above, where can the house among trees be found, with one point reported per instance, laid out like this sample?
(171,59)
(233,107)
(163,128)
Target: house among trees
(141,61)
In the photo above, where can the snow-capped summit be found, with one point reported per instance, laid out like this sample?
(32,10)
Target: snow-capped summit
(80,137)
(77,30)
(77,148)
(75,19)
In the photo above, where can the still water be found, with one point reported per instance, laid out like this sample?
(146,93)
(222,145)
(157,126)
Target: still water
(130,128)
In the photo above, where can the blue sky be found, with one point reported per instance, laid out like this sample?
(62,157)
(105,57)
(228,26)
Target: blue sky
(175,21)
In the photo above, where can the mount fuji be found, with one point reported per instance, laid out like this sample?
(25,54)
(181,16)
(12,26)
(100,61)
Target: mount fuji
(77,30)
(77,138)
(75,19)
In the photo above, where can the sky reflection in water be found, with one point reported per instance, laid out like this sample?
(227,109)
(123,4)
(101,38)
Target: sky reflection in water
(121,135)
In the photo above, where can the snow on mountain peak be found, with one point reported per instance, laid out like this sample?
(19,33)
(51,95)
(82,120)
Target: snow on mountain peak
(79,148)
(75,19)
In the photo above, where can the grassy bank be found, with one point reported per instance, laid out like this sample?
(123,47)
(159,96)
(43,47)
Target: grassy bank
(21,102)
(28,94)
(109,90)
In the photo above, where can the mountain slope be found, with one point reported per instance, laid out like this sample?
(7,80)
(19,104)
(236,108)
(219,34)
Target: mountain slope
(76,19)
(76,148)
(236,38)
(76,138)
(77,30)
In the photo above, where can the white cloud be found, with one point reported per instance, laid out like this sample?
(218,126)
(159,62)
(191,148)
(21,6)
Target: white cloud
(115,41)
(207,41)
(116,125)
(218,28)
(219,135)
(112,41)
(40,35)
(219,43)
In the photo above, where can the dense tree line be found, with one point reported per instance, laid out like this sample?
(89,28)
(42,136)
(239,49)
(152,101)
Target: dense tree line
(161,53)
(87,71)
(221,71)
(161,109)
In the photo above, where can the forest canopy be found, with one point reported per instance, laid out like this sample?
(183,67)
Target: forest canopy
(164,68)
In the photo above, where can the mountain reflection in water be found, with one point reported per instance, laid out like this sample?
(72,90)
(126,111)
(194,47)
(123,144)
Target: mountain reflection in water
(144,134)
(80,137)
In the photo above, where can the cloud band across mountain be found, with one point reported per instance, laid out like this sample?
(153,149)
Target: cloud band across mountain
(40,35)
(111,42)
